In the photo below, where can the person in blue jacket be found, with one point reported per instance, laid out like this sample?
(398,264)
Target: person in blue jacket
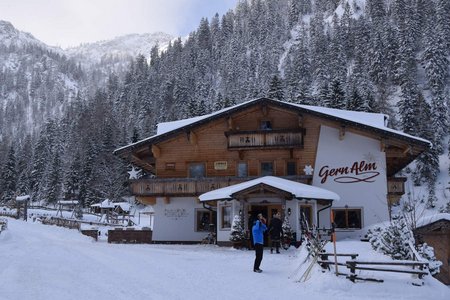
(258,240)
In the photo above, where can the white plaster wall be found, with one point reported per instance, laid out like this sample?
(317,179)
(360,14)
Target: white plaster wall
(223,235)
(176,221)
(336,153)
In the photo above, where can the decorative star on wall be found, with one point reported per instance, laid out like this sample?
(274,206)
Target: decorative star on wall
(370,157)
(134,173)
(308,170)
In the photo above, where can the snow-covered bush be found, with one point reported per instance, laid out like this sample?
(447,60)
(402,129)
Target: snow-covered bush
(427,252)
(237,229)
(393,240)
(446,208)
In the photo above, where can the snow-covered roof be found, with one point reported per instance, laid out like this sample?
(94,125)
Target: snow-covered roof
(68,202)
(123,205)
(23,198)
(298,190)
(104,204)
(424,221)
(374,121)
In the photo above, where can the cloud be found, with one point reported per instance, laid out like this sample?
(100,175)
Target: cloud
(71,22)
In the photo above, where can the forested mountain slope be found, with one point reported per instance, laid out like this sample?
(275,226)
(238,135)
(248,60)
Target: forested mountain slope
(373,55)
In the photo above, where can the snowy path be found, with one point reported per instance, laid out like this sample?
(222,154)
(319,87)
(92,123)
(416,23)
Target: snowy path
(48,262)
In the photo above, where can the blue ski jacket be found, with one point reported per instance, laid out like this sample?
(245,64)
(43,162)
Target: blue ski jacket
(258,232)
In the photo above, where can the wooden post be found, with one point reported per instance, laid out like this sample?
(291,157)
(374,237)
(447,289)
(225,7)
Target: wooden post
(334,242)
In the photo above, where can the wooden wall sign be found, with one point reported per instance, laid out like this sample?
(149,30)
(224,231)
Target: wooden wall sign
(220,165)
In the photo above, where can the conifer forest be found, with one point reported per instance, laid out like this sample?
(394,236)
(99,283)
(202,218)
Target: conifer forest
(61,120)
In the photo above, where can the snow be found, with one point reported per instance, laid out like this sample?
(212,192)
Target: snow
(68,202)
(125,47)
(74,266)
(23,198)
(426,220)
(299,190)
(104,204)
(373,120)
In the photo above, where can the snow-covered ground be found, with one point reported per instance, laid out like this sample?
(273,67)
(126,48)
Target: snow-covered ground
(49,262)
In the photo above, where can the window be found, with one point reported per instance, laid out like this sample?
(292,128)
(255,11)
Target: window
(291,168)
(349,218)
(226,217)
(242,169)
(266,125)
(196,170)
(206,220)
(266,169)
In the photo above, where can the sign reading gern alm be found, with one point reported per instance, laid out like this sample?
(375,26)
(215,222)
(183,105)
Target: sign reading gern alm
(359,171)
(355,168)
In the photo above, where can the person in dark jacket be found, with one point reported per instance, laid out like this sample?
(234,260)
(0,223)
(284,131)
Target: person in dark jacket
(275,231)
(258,241)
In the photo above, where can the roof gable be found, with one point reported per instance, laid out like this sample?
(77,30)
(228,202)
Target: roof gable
(366,121)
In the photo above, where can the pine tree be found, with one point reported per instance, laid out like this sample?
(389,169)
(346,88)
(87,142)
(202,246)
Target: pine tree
(53,189)
(9,177)
(288,233)
(393,240)
(337,96)
(356,102)
(276,89)
(237,233)
(72,184)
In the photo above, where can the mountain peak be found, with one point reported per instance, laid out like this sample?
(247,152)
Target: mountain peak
(129,45)
(9,35)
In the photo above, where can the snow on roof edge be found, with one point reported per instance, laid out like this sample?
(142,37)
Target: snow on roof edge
(352,116)
(424,221)
(298,190)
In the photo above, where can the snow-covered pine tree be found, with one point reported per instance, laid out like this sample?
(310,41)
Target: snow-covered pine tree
(288,233)
(394,239)
(237,233)
(9,177)
(276,89)
(337,96)
(53,188)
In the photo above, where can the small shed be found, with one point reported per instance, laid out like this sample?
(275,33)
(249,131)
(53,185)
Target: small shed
(435,231)
(22,206)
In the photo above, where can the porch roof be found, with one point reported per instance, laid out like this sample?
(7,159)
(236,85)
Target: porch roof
(297,190)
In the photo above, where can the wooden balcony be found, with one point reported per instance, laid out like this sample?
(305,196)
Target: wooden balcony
(396,185)
(170,187)
(265,139)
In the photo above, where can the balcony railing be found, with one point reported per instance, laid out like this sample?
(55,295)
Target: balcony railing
(265,138)
(191,186)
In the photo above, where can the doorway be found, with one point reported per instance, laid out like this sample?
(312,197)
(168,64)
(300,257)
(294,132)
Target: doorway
(268,211)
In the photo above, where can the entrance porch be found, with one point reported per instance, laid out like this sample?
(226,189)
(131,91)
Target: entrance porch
(269,195)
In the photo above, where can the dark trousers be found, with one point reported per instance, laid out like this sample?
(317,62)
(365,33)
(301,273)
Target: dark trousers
(258,256)
(276,244)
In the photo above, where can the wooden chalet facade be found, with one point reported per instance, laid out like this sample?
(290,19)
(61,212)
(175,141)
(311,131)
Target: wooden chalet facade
(350,153)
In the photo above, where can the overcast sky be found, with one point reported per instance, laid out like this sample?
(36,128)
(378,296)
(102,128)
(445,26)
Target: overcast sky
(71,22)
